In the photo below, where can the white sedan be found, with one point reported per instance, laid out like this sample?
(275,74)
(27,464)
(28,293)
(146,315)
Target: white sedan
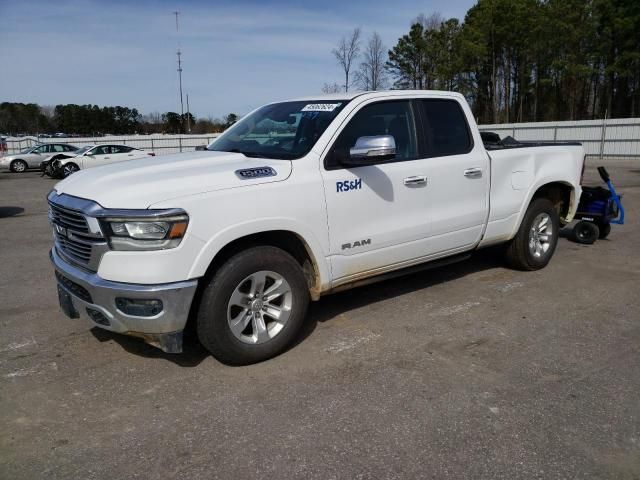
(95,156)
(32,157)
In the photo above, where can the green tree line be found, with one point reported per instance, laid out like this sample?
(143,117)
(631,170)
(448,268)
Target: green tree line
(30,118)
(529,60)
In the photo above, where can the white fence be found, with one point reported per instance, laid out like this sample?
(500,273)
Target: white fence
(159,144)
(606,138)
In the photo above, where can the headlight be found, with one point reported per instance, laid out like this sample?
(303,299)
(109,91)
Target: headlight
(145,234)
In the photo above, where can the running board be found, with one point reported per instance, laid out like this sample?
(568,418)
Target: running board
(400,272)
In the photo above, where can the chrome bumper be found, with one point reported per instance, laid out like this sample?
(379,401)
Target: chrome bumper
(94,299)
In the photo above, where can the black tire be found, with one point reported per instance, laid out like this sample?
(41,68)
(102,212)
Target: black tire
(518,253)
(18,166)
(69,169)
(605,230)
(585,232)
(213,326)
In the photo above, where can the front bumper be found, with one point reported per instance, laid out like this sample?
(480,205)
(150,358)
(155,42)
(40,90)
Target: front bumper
(94,299)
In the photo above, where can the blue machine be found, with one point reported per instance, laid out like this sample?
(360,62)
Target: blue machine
(597,210)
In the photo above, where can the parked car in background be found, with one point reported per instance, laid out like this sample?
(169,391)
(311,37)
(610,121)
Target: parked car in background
(32,157)
(64,164)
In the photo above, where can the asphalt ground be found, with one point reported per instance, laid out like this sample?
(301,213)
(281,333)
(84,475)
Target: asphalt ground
(467,371)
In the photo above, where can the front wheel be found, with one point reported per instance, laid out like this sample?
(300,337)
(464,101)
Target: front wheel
(537,237)
(18,166)
(254,306)
(69,169)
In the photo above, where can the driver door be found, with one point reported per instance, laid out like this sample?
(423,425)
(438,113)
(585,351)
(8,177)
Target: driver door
(100,155)
(38,155)
(379,215)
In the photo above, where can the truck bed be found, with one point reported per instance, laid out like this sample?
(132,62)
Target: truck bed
(492,141)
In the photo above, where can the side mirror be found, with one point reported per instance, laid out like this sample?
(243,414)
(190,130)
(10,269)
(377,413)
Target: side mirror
(371,150)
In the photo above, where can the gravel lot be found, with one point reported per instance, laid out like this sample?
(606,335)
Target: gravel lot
(467,371)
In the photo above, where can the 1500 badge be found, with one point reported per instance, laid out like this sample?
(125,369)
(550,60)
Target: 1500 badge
(248,173)
(349,185)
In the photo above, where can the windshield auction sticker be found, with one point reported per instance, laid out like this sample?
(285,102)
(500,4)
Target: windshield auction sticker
(320,107)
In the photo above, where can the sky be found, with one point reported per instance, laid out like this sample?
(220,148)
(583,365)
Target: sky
(237,55)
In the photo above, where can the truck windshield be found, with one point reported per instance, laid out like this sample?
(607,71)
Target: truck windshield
(285,130)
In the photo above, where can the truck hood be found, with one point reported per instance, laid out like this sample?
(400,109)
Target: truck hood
(141,183)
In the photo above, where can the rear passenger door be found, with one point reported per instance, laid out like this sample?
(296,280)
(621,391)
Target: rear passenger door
(120,153)
(458,176)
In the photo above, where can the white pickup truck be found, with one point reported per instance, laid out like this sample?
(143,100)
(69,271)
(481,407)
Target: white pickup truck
(299,199)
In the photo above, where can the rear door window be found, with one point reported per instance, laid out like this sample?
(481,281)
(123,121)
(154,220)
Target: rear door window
(120,149)
(445,128)
(101,150)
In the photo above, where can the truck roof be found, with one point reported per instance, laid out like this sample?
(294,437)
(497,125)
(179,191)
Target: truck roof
(377,93)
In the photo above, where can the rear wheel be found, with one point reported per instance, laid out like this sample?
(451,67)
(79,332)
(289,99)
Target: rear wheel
(537,237)
(254,306)
(69,169)
(18,166)
(586,232)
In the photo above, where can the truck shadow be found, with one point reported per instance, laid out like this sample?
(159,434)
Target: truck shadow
(327,308)
(193,353)
(332,306)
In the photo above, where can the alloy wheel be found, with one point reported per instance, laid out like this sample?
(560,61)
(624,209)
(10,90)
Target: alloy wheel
(259,307)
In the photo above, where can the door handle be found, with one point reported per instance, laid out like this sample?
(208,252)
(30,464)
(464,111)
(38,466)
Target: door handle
(416,180)
(473,173)
(107,158)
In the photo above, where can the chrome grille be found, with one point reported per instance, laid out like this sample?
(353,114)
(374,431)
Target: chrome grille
(77,250)
(74,239)
(68,218)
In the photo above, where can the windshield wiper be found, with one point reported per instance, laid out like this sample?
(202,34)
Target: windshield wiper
(246,154)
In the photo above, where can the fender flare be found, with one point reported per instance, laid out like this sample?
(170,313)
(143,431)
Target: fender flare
(241,230)
(531,193)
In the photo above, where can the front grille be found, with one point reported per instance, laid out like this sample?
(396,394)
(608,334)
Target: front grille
(68,219)
(78,290)
(75,241)
(78,250)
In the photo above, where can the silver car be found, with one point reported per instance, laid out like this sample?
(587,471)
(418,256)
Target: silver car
(32,157)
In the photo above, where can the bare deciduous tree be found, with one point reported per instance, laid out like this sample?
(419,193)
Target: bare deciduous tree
(371,75)
(346,52)
(331,88)
(432,22)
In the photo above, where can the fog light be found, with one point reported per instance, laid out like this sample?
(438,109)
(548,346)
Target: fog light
(98,317)
(138,307)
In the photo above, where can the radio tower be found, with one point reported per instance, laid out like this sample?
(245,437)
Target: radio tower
(179,53)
